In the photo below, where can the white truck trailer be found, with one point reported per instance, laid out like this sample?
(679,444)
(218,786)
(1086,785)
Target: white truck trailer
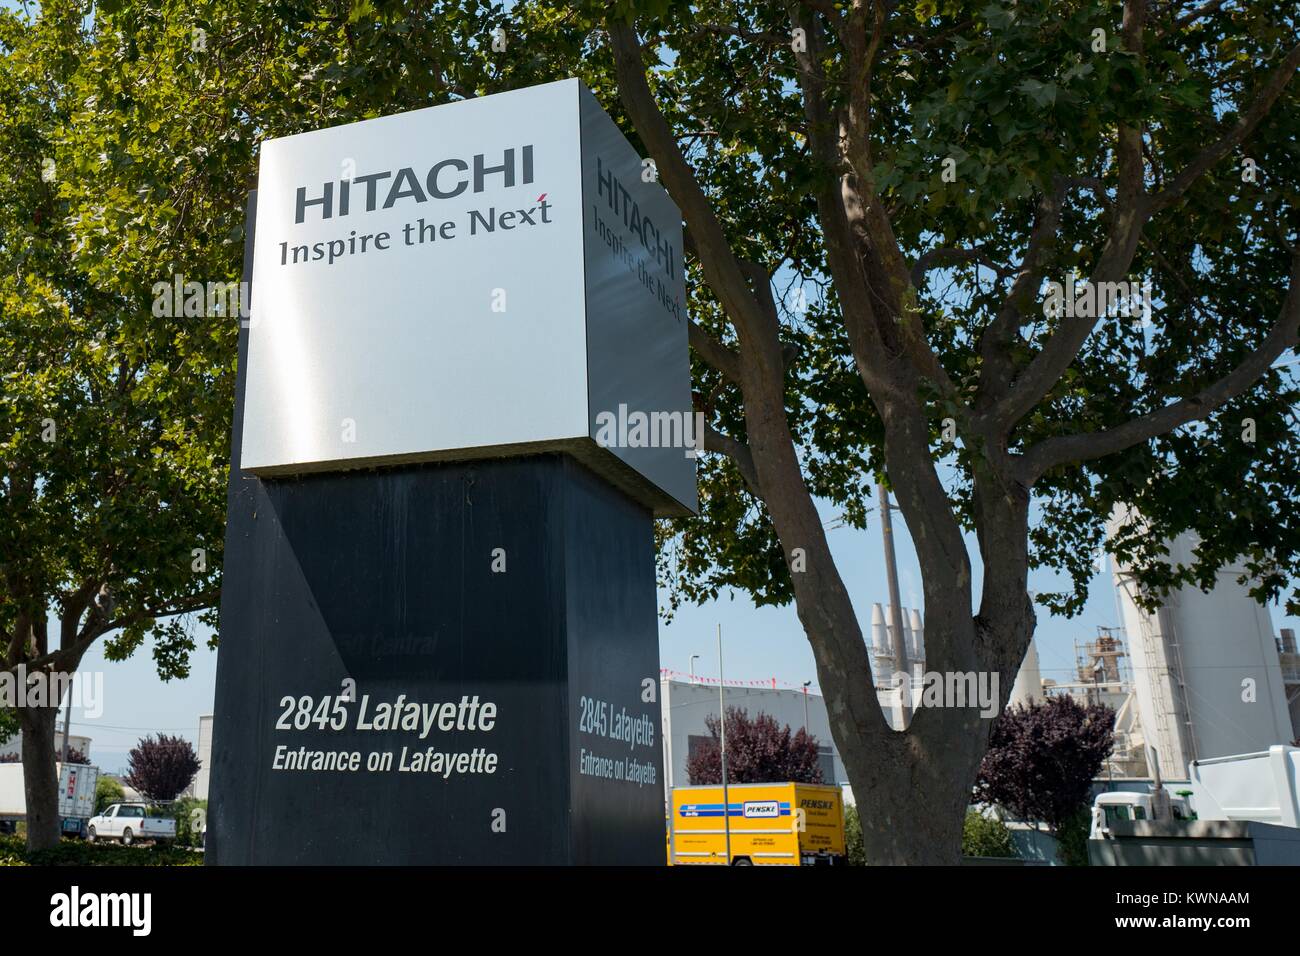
(1263,787)
(76,795)
(1244,809)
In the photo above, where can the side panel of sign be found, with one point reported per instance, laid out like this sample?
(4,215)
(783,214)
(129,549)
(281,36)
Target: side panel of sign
(639,374)
(616,754)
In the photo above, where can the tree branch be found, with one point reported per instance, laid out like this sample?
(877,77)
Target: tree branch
(994,344)
(67,657)
(947,255)
(720,356)
(1129,213)
(841,253)
(1216,151)
(738,452)
(1284,334)
(716,259)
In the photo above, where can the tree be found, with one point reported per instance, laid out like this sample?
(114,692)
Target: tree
(8,724)
(107,792)
(1042,758)
(113,424)
(926,169)
(759,750)
(161,767)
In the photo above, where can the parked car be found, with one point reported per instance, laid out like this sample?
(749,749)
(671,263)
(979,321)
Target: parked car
(130,822)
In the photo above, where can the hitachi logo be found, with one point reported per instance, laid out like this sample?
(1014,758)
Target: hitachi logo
(443,180)
(621,204)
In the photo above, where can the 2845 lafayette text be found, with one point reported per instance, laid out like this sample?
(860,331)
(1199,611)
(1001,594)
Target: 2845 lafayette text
(401,714)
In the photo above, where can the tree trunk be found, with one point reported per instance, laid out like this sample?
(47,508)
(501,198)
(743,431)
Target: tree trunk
(912,787)
(40,779)
(914,808)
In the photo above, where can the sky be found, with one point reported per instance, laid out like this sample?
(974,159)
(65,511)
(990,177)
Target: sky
(758,644)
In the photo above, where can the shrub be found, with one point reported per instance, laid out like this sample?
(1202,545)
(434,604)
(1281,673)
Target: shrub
(854,848)
(161,767)
(13,852)
(986,836)
(107,792)
(183,811)
(1072,838)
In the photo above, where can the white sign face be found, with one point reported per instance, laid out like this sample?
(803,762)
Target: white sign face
(428,287)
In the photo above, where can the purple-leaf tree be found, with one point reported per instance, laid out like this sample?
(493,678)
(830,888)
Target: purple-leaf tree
(161,767)
(759,750)
(1043,758)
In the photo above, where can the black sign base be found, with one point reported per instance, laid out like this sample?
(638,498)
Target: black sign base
(438,664)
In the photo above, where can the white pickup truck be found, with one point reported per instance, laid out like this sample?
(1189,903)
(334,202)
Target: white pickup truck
(129,822)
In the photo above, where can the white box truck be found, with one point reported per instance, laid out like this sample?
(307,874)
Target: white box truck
(76,795)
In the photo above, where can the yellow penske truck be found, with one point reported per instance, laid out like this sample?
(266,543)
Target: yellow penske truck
(770,824)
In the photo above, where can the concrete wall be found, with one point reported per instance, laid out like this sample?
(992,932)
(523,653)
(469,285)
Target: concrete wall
(1196,843)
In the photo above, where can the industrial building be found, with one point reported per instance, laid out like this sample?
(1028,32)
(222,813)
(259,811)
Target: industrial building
(1203,676)
(204,776)
(13,747)
(1207,668)
(688,703)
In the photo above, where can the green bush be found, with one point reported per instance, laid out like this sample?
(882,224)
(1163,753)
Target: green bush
(986,836)
(13,852)
(853,845)
(1072,838)
(107,792)
(182,811)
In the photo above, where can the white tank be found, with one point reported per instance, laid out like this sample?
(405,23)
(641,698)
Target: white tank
(918,637)
(1029,680)
(1206,673)
(881,651)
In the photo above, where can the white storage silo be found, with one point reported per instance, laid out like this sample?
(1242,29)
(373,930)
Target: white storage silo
(1029,679)
(1206,672)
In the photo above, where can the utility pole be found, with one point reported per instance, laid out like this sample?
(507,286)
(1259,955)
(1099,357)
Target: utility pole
(805,705)
(895,602)
(722,724)
(67,721)
(694,658)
